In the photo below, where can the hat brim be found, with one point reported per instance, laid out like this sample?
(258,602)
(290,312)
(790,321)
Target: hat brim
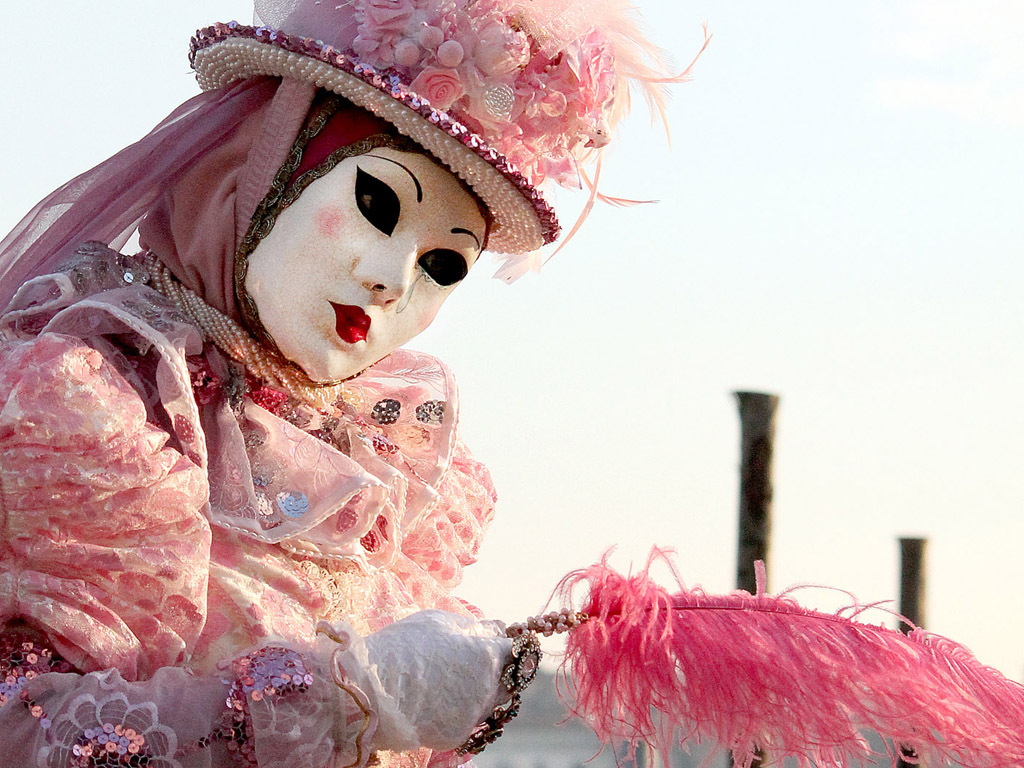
(521,220)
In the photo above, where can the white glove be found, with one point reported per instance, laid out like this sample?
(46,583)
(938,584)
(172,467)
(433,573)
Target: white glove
(431,678)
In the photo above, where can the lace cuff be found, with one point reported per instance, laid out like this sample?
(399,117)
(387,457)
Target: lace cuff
(272,712)
(276,708)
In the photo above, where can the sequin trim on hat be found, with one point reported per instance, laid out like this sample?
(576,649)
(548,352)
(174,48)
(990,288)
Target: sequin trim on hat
(225,52)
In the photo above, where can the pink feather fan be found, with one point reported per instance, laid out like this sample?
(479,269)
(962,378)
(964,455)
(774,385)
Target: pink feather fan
(753,672)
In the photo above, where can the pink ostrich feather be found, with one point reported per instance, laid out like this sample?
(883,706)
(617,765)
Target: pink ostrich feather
(760,672)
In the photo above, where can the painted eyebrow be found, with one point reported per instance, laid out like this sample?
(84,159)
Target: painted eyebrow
(419,189)
(461,231)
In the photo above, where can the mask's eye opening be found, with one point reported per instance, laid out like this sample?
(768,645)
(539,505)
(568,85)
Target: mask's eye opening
(445,267)
(377,202)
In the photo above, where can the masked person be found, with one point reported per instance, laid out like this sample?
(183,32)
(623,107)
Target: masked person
(234,508)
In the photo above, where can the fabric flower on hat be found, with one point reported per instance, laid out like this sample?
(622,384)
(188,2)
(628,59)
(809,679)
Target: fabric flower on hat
(557,164)
(538,104)
(382,24)
(548,91)
(441,87)
(594,67)
(502,50)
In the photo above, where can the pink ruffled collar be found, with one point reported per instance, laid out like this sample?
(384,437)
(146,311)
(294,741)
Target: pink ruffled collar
(343,484)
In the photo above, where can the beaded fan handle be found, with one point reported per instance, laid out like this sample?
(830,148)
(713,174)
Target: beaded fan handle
(520,672)
(549,624)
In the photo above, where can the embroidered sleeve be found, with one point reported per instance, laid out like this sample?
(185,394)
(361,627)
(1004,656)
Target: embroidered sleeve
(105,542)
(269,710)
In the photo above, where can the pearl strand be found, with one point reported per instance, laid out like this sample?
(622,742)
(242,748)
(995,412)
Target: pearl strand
(549,624)
(236,342)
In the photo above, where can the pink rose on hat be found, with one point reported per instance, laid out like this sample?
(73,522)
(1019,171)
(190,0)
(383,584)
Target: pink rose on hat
(441,87)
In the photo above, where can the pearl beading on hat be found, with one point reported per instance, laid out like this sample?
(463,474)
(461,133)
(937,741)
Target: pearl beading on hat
(522,219)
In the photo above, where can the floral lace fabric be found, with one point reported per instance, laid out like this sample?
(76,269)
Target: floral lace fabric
(269,708)
(160,513)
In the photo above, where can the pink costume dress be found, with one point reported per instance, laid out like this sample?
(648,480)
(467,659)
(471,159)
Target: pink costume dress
(174,531)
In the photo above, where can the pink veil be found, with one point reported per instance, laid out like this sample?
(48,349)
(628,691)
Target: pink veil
(108,202)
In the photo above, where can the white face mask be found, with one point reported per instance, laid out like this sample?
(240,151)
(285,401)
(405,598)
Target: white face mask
(362,261)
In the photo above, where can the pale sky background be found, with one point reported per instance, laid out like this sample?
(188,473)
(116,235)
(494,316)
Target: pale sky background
(840,223)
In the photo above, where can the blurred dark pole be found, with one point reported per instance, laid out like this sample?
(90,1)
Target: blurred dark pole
(757,438)
(912,587)
(912,580)
(757,447)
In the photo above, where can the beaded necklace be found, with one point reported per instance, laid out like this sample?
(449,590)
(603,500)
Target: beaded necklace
(238,344)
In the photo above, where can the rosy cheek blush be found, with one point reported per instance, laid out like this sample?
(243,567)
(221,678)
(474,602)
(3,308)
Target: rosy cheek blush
(330,220)
(425,317)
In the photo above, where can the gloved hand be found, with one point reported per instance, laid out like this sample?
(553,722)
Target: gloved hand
(431,678)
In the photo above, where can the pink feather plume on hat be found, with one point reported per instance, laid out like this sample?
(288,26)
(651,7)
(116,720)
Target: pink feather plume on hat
(758,671)
(543,82)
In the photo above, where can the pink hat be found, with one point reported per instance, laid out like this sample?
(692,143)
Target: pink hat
(508,94)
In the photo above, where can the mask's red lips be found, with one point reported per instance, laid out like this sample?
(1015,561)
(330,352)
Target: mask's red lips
(351,322)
